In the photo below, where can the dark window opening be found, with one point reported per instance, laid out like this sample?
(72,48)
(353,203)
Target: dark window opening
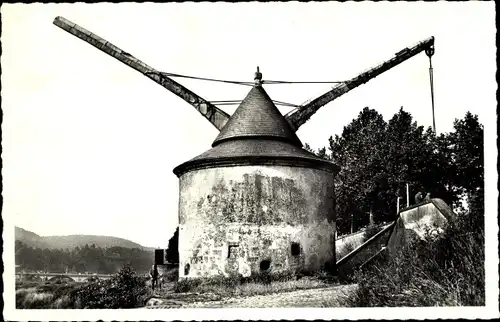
(265,264)
(295,249)
(232,251)
(186,269)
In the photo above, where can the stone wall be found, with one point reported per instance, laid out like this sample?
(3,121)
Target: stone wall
(255,219)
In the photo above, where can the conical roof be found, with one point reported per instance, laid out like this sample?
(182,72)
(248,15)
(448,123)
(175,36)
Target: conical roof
(257,117)
(256,134)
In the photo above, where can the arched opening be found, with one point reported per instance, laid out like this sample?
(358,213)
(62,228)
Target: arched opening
(186,269)
(265,265)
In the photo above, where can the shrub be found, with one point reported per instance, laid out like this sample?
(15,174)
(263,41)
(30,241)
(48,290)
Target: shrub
(35,300)
(171,275)
(124,290)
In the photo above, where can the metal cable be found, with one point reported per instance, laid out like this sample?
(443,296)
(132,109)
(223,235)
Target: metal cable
(300,82)
(429,52)
(206,79)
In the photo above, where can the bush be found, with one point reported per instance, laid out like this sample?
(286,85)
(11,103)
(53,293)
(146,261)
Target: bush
(35,300)
(444,270)
(124,290)
(172,275)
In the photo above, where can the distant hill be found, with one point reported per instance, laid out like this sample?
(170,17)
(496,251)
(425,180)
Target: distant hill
(30,238)
(71,241)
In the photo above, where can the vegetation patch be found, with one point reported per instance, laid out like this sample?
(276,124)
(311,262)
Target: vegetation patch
(254,285)
(124,290)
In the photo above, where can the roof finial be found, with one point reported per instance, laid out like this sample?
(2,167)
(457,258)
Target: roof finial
(258,77)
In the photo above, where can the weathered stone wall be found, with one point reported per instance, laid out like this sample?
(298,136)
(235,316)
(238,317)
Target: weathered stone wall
(234,219)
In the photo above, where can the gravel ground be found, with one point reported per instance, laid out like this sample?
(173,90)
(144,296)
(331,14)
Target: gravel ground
(323,297)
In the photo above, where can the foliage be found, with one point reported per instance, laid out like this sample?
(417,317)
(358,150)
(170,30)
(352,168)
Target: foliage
(378,158)
(173,248)
(447,270)
(80,260)
(37,295)
(124,290)
(171,275)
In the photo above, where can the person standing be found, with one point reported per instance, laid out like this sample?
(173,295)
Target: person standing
(419,197)
(154,276)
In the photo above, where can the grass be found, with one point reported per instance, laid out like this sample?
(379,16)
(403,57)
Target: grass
(445,270)
(40,295)
(123,290)
(257,285)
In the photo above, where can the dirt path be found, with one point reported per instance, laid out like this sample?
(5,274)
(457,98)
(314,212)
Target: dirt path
(323,297)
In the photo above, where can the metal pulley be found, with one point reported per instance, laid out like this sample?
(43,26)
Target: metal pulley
(430,51)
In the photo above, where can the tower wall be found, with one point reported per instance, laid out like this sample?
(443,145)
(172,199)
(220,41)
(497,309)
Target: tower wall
(236,220)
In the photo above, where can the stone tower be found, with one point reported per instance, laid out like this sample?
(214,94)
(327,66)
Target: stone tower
(256,202)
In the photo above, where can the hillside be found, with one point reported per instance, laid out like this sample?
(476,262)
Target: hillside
(30,238)
(71,241)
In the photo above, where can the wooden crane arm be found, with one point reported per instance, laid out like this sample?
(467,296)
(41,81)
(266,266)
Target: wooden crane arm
(213,114)
(301,114)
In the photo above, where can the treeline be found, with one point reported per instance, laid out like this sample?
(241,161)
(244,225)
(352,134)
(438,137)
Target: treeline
(89,258)
(378,158)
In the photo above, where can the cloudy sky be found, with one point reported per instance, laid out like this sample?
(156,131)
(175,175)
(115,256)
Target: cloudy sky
(89,144)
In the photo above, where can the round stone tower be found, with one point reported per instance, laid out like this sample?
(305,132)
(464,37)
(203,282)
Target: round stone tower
(256,202)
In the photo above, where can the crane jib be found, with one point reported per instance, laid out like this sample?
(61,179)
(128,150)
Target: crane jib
(301,114)
(212,113)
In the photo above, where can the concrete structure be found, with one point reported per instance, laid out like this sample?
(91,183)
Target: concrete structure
(256,202)
(423,220)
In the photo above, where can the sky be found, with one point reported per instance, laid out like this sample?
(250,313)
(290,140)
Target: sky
(88,144)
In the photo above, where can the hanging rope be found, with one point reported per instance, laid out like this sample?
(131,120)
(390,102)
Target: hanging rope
(429,52)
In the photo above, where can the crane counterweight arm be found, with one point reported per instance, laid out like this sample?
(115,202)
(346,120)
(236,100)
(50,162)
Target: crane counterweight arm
(301,114)
(213,114)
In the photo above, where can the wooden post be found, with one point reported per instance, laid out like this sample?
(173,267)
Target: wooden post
(397,207)
(407,195)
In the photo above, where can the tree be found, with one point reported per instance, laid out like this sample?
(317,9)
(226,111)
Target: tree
(468,153)
(173,248)
(378,159)
(359,152)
